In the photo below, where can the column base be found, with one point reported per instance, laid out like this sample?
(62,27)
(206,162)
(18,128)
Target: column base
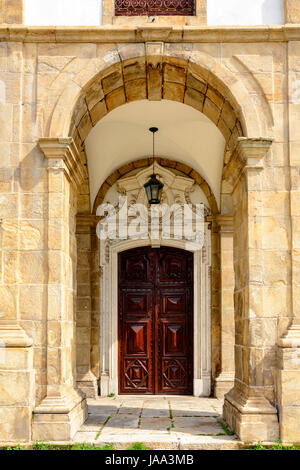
(252,418)
(202,387)
(108,385)
(16,384)
(87,383)
(223,384)
(59,418)
(288,393)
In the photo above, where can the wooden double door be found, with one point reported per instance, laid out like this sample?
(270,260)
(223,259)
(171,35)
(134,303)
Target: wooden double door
(156,321)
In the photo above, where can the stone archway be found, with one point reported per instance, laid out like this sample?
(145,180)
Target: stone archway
(152,71)
(89,370)
(205,86)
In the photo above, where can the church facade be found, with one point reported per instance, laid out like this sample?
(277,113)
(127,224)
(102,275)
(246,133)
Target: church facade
(83,315)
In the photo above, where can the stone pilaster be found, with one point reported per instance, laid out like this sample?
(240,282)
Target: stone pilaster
(86,379)
(225,380)
(64,409)
(288,375)
(11,11)
(292,11)
(247,407)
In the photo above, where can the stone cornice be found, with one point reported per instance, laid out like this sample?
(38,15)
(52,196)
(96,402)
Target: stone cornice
(251,151)
(64,149)
(225,222)
(13,336)
(84,222)
(127,34)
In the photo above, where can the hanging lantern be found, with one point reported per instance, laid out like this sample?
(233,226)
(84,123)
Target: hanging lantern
(153,187)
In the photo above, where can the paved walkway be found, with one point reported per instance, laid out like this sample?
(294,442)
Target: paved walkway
(159,422)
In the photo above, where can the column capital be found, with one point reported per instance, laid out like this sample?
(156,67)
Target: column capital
(252,150)
(86,221)
(225,222)
(62,152)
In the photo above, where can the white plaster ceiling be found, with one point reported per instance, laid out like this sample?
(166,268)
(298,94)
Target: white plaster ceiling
(185,135)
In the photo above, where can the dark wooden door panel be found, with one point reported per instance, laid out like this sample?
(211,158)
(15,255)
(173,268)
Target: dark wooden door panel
(174,301)
(175,376)
(173,339)
(156,321)
(137,337)
(175,267)
(136,378)
(136,302)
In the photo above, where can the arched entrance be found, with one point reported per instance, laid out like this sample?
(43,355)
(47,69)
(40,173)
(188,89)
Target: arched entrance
(206,88)
(180,189)
(155,321)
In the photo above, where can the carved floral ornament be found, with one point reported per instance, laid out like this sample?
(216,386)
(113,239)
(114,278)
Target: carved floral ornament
(177,189)
(126,213)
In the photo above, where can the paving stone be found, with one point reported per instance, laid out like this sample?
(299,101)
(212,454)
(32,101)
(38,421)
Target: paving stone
(156,409)
(209,443)
(128,410)
(94,423)
(120,423)
(131,407)
(197,426)
(190,409)
(89,437)
(155,424)
(152,441)
(194,413)
(155,413)
(102,410)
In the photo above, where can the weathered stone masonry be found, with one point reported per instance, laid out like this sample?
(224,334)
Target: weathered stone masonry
(57,83)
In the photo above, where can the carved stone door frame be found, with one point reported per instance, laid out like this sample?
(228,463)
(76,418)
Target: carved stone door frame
(109,251)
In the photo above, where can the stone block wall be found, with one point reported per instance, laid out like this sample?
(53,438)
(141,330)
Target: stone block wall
(11,11)
(292,11)
(44,74)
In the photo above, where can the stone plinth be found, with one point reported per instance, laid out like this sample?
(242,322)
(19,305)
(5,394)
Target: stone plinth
(253,418)
(59,418)
(16,384)
(288,384)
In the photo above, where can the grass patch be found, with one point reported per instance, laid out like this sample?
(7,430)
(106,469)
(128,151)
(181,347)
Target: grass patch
(228,431)
(100,430)
(276,446)
(138,446)
(170,410)
(44,446)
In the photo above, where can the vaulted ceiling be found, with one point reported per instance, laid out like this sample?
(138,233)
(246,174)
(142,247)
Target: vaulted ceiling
(185,135)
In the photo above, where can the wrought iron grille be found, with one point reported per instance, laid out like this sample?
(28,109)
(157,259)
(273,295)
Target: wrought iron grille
(154,7)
